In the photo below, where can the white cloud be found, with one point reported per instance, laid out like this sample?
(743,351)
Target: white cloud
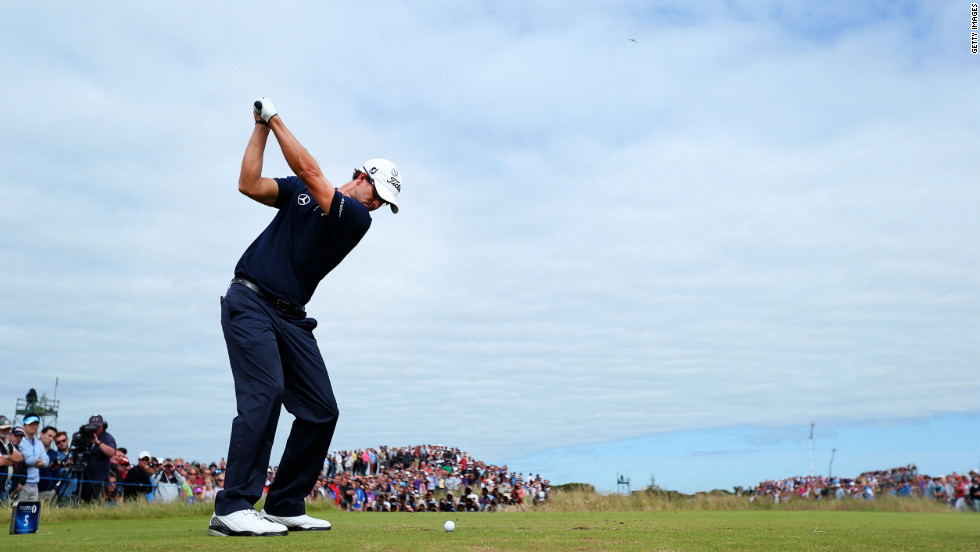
(600,238)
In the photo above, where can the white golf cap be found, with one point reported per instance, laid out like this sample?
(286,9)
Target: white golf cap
(386,179)
(144,454)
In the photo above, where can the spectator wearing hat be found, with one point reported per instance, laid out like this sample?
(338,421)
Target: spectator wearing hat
(137,482)
(34,457)
(117,492)
(19,475)
(99,462)
(10,456)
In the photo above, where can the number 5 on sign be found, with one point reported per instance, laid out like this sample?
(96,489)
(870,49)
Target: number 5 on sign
(24,518)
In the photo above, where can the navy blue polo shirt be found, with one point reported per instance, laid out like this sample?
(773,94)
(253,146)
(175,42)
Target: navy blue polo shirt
(99,465)
(302,244)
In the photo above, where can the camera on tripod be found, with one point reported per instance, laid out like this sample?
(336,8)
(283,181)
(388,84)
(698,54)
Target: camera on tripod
(81,446)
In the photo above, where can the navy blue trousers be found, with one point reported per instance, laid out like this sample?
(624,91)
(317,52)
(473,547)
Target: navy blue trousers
(275,362)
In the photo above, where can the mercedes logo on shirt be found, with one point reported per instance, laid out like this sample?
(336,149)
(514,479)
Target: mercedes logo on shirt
(303,199)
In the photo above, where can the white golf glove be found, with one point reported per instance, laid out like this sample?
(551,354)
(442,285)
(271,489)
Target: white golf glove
(265,108)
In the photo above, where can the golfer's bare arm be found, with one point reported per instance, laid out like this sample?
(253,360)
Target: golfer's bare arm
(250,181)
(302,164)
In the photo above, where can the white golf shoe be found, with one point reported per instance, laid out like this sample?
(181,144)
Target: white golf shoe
(245,523)
(299,523)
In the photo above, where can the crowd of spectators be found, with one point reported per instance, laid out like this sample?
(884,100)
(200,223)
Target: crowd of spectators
(389,479)
(960,491)
(423,478)
(60,478)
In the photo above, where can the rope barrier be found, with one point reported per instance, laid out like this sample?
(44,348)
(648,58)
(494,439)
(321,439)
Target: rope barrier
(153,482)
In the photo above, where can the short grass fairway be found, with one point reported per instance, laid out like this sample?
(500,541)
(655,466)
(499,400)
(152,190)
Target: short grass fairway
(557,531)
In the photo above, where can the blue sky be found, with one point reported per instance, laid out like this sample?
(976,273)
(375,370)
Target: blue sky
(640,225)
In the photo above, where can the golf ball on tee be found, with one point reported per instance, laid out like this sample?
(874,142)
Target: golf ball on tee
(449,526)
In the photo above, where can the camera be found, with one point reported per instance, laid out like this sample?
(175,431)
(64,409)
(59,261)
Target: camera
(81,446)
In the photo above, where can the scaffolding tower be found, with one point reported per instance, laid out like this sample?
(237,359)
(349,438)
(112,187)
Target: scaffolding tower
(623,481)
(44,408)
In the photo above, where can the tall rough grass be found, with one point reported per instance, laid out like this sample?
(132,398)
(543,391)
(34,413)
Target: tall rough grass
(126,510)
(561,501)
(576,501)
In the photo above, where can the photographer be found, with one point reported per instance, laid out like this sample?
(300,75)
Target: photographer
(65,486)
(98,467)
(169,483)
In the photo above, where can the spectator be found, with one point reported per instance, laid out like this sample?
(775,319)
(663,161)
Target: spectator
(169,484)
(974,495)
(447,504)
(938,489)
(899,482)
(48,483)
(112,491)
(517,496)
(196,482)
(65,487)
(336,491)
(349,462)
(118,491)
(20,468)
(10,457)
(114,463)
(99,461)
(359,496)
(347,492)
(961,488)
(138,482)
(390,482)
(34,457)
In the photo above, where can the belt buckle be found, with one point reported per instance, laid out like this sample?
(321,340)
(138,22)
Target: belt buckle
(283,306)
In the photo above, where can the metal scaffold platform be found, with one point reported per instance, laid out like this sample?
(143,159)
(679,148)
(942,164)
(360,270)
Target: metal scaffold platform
(40,406)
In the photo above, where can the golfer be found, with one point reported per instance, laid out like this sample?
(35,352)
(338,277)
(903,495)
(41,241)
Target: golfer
(274,357)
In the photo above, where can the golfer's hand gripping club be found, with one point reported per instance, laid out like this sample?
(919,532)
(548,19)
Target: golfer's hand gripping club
(265,108)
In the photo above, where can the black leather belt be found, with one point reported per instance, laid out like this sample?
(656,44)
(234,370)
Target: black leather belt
(277,303)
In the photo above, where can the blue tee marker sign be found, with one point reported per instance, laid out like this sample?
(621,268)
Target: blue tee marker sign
(24,518)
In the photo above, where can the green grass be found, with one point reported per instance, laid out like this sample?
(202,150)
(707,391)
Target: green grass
(181,528)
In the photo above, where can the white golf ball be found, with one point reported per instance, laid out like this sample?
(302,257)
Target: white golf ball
(449,526)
